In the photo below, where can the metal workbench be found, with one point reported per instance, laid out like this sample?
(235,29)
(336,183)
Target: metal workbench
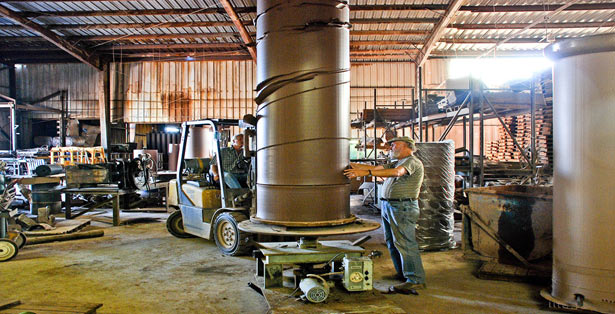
(114,191)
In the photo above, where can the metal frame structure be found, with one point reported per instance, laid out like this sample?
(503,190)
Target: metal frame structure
(11,104)
(476,106)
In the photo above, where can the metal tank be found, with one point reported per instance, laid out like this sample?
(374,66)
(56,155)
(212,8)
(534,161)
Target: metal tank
(584,172)
(199,143)
(46,194)
(435,225)
(303,75)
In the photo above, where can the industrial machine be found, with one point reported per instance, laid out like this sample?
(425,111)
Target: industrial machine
(208,209)
(134,173)
(11,239)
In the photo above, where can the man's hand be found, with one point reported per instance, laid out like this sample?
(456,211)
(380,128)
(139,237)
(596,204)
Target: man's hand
(216,177)
(354,173)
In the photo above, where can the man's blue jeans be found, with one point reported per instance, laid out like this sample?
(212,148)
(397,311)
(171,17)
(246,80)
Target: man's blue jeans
(233,180)
(399,223)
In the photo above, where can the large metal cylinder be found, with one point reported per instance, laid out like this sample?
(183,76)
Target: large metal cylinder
(584,172)
(200,143)
(303,74)
(435,225)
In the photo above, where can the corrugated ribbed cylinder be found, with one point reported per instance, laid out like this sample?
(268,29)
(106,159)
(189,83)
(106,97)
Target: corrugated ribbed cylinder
(584,172)
(436,223)
(303,75)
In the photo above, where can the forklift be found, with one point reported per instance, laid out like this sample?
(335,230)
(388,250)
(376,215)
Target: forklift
(206,208)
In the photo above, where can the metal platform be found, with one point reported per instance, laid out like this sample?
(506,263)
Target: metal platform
(358,226)
(275,255)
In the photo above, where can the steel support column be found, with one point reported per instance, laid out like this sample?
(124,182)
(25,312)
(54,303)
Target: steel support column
(420,102)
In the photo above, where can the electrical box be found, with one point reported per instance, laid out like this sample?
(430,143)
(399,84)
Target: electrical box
(358,273)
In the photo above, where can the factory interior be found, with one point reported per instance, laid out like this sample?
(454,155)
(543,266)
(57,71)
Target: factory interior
(322,156)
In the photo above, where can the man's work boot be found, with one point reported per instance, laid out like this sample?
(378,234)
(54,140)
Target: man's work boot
(407,287)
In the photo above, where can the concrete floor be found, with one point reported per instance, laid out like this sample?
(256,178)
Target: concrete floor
(141,268)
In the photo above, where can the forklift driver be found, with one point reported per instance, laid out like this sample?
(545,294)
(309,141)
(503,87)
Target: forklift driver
(234,164)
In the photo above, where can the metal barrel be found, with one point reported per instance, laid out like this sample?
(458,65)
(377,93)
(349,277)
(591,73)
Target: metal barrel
(47,170)
(584,172)
(46,194)
(435,225)
(199,143)
(303,75)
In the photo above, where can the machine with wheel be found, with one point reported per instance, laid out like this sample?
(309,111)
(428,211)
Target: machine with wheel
(208,209)
(11,239)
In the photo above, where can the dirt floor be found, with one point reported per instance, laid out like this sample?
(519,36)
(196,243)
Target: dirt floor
(141,268)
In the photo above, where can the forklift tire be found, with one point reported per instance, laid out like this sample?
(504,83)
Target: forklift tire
(175,225)
(229,239)
(8,249)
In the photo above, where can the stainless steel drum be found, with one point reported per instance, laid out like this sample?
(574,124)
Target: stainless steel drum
(584,172)
(303,74)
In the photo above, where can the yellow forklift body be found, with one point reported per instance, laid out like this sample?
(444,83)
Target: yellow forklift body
(203,197)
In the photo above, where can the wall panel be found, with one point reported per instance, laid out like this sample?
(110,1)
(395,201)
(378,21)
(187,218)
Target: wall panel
(173,92)
(35,81)
(4,80)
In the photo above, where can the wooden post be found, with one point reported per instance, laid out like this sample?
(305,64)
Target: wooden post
(104,105)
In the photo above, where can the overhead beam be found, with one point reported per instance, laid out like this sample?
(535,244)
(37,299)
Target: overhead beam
(511,36)
(204,11)
(537,26)
(31,107)
(382,51)
(395,21)
(191,54)
(384,42)
(134,25)
(170,24)
(438,31)
(395,7)
(537,8)
(389,33)
(227,35)
(243,32)
(235,45)
(154,36)
(50,36)
(119,48)
(469,26)
(383,57)
(523,40)
(445,40)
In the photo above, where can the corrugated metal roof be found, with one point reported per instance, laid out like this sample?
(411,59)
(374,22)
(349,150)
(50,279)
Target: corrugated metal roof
(471,24)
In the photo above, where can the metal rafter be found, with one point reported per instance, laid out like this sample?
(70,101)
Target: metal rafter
(537,26)
(511,36)
(118,38)
(438,31)
(243,32)
(375,32)
(50,36)
(399,7)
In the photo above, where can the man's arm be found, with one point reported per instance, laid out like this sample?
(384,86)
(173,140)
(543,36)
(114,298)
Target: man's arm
(214,170)
(378,171)
(213,166)
(355,165)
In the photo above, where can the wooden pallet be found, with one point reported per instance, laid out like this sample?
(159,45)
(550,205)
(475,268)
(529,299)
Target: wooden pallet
(16,306)
(503,272)
(62,227)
